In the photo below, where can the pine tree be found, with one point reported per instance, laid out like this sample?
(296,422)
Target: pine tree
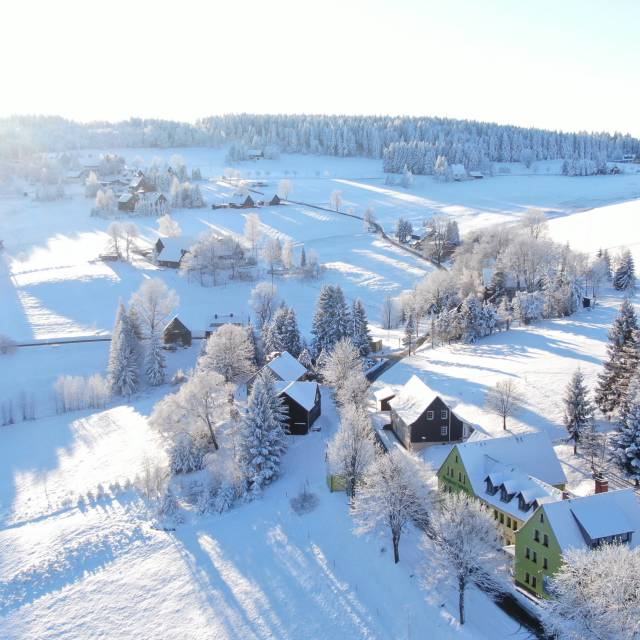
(409,333)
(123,356)
(624,277)
(360,335)
(622,358)
(155,362)
(264,433)
(331,320)
(282,333)
(626,446)
(578,409)
(305,359)
(303,258)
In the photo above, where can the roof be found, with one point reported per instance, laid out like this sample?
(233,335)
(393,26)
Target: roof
(174,248)
(600,515)
(126,197)
(286,367)
(303,392)
(176,324)
(384,394)
(412,400)
(531,453)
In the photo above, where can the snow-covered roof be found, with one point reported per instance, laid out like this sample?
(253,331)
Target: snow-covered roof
(384,393)
(302,391)
(412,400)
(126,197)
(531,453)
(602,515)
(173,248)
(286,367)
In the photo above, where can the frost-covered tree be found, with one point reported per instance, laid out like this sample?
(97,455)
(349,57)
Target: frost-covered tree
(335,200)
(263,301)
(369,219)
(578,410)
(285,189)
(504,400)
(352,449)
(393,494)
(168,227)
(408,337)
(626,442)
(596,595)
(228,352)
(404,229)
(467,546)
(154,302)
(360,335)
(305,359)
(441,169)
(92,184)
(331,320)
(534,222)
(272,253)
(253,231)
(264,433)
(287,254)
(282,333)
(123,356)
(338,363)
(155,361)
(621,362)
(624,276)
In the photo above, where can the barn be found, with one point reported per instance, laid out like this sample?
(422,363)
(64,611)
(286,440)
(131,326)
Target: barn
(176,333)
(275,201)
(303,402)
(128,202)
(170,251)
(419,417)
(248,203)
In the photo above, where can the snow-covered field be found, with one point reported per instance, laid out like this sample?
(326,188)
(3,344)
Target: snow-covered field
(94,567)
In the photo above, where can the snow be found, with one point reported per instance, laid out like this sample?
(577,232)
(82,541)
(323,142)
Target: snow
(286,367)
(412,400)
(173,249)
(603,514)
(303,392)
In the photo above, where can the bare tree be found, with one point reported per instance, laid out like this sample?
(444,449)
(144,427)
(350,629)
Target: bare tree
(504,400)
(467,546)
(343,360)
(263,301)
(436,244)
(253,231)
(596,595)
(229,352)
(272,254)
(352,450)
(336,200)
(115,233)
(534,222)
(154,302)
(129,233)
(387,313)
(284,189)
(394,493)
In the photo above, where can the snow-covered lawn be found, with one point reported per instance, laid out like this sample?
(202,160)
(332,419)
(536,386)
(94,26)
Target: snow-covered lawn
(258,571)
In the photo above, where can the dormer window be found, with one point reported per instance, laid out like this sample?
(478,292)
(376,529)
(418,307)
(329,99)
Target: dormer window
(491,490)
(522,504)
(504,495)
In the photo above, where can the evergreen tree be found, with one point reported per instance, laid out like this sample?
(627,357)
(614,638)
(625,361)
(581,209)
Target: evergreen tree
(264,433)
(282,333)
(155,362)
(303,258)
(360,335)
(624,277)
(622,359)
(578,409)
(409,333)
(331,320)
(626,446)
(123,356)
(305,359)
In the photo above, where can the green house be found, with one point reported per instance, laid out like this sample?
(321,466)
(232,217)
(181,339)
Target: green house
(575,523)
(512,476)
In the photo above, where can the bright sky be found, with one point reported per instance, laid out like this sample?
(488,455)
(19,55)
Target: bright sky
(566,64)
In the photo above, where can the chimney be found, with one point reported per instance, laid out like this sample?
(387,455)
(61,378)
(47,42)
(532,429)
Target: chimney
(566,495)
(602,484)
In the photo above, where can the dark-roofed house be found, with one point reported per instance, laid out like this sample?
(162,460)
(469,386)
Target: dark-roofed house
(274,201)
(128,202)
(303,401)
(420,417)
(170,251)
(248,203)
(176,333)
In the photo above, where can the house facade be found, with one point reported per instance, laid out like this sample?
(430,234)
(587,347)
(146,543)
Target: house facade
(176,333)
(303,402)
(419,417)
(575,523)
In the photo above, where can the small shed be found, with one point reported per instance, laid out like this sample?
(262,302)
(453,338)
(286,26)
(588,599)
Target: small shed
(176,333)
(248,203)
(375,345)
(128,202)
(382,397)
(275,201)
(170,251)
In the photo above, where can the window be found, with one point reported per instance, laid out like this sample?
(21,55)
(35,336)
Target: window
(534,559)
(430,417)
(545,563)
(495,514)
(459,477)
(502,518)
(509,523)
(541,517)
(536,535)
(444,430)
(545,540)
(515,525)
(526,577)
(527,553)
(444,414)
(456,459)
(533,581)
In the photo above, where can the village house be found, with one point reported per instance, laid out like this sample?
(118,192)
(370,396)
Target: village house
(139,183)
(283,367)
(176,333)
(419,417)
(128,202)
(575,523)
(275,201)
(303,402)
(512,476)
(170,251)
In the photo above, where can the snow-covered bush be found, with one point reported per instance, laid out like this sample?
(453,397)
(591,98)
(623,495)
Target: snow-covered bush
(187,452)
